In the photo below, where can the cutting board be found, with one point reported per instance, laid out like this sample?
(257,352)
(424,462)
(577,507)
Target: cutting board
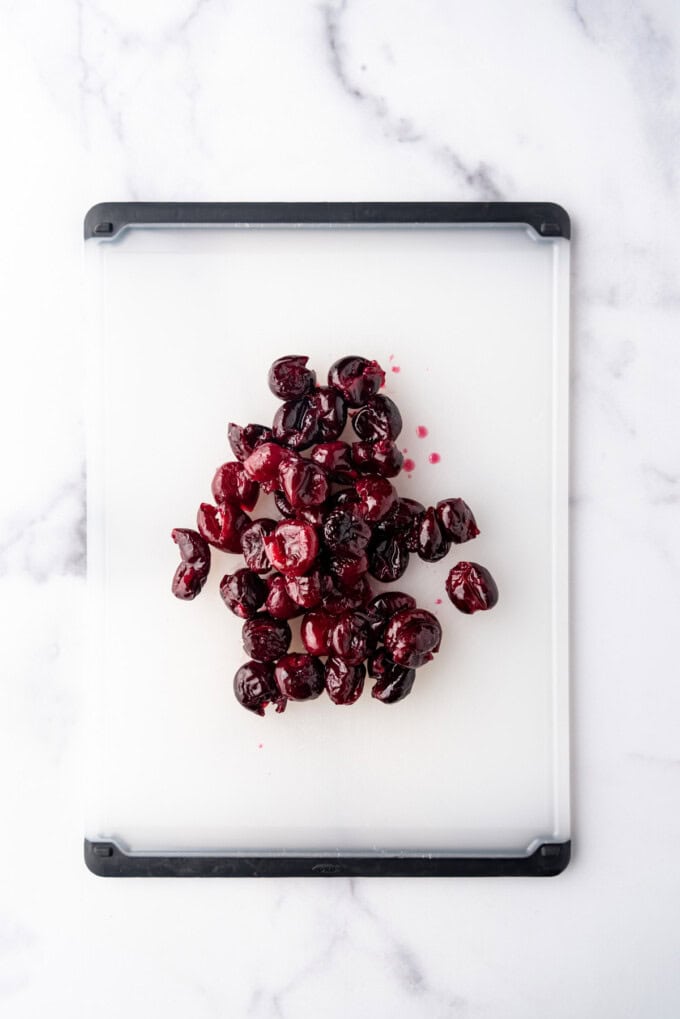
(466,307)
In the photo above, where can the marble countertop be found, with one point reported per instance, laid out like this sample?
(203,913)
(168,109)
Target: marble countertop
(575,102)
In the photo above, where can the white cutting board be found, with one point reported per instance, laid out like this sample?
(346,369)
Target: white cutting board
(186,324)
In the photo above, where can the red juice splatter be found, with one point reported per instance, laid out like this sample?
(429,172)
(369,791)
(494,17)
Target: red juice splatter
(421,432)
(437,601)
(434,458)
(391,357)
(409,465)
(396,368)
(404,451)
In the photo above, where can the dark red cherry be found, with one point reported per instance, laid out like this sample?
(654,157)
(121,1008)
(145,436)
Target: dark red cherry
(336,460)
(243,592)
(330,411)
(303,483)
(348,497)
(457,521)
(400,518)
(350,638)
(296,424)
(263,463)
(255,688)
(348,568)
(379,419)
(385,605)
(413,637)
(231,484)
(188,581)
(314,632)
(356,378)
(278,603)
(299,677)
(344,533)
(381,458)
(471,588)
(289,377)
(292,547)
(222,526)
(337,600)
(305,591)
(252,545)
(376,497)
(193,549)
(388,558)
(394,682)
(431,543)
(244,440)
(344,682)
(264,638)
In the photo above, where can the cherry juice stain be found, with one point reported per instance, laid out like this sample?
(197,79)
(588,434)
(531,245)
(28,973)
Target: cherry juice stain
(437,601)
(396,368)
(421,432)
(391,357)
(409,465)
(434,458)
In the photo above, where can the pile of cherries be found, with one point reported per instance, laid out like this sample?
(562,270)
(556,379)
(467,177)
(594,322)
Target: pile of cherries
(341,522)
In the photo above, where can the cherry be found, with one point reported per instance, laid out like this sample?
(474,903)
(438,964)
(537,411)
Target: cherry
(380,457)
(289,377)
(378,419)
(296,423)
(456,520)
(303,483)
(413,637)
(188,581)
(385,605)
(193,549)
(388,558)
(255,688)
(305,591)
(278,602)
(348,497)
(350,638)
(252,545)
(243,592)
(344,533)
(337,600)
(314,632)
(394,682)
(471,588)
(244,440)
(400,518)
(356,378)
(299,677)
(376,497)
(292,547)
(336,460)
(263,463)
(431,545)
(348,568)
(330,411)
(222,526)
(265,638)
(344,682)
(231,484)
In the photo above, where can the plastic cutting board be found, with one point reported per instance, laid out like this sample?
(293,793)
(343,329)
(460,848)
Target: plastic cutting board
(190,304)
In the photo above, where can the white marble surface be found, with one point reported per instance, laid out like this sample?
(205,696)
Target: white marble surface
(576,102)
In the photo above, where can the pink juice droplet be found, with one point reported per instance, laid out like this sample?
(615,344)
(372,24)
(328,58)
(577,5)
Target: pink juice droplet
(391,357)
(421,432)
(396,368)
(260,745)
(437,601)
(434,458)
(409,465)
